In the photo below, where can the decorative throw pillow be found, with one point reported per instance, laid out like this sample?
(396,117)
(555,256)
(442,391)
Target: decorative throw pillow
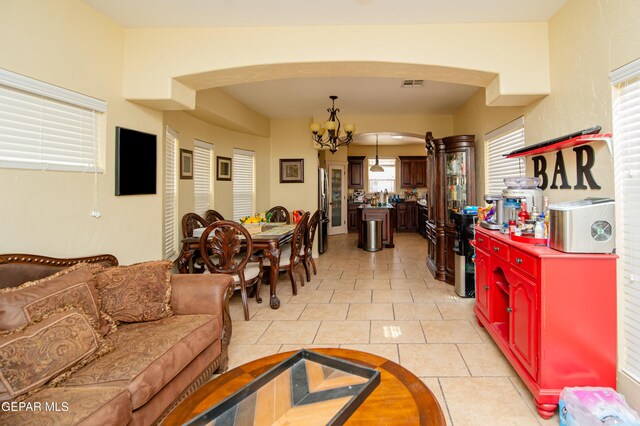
(33,300)
(47,351)
(136,293)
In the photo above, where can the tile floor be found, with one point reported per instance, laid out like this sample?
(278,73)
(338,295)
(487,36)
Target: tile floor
(388,304)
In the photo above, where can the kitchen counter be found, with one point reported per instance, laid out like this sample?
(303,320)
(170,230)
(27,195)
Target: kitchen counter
(385,214)
(368,206)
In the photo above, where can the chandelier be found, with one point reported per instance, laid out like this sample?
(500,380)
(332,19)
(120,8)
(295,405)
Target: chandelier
(327,135)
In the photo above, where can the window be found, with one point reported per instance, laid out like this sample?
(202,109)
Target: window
(243,171)
(626,133)
(498,143)
(46,127)
(379,181)
(170,194)
(202,184)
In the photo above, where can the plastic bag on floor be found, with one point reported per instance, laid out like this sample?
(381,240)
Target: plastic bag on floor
(587,406)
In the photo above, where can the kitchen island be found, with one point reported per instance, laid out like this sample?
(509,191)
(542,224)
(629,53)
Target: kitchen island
(384,213)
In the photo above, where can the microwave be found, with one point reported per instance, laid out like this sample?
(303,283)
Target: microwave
(583,226)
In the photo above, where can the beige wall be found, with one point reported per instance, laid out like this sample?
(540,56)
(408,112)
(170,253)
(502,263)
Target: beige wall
(587,40)
(516,53)
(224,141)
(69,44)
(476,118)
(291,139)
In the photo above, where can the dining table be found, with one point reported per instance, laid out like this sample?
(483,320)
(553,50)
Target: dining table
(269,239)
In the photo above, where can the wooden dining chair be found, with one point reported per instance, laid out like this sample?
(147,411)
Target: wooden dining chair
(307,251)
(291,254)
(211,216)
(279,214)
(223,252)
(191,221)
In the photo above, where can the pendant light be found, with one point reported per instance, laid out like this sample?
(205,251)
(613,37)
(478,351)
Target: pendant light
(376,167)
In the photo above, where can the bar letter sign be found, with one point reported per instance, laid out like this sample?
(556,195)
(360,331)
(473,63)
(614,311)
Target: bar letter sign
(585,159)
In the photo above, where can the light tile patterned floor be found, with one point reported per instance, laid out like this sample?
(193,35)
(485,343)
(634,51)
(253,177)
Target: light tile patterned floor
(388,304)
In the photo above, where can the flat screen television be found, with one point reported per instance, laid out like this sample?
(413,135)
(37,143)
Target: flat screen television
(135,162)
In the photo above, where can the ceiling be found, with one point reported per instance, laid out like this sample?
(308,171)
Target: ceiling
(358,96)
(239,13)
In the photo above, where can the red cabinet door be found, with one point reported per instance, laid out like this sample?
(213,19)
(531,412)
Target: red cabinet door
(523,337)
(482,283)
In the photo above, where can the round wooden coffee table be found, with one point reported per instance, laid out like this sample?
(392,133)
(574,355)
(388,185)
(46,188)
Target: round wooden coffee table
(400,399)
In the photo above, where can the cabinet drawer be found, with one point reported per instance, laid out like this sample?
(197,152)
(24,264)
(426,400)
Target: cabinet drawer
(499,249)
(524,262)
(483,241)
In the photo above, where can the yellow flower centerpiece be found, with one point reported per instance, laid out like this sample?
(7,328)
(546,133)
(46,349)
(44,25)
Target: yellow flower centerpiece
(254,223)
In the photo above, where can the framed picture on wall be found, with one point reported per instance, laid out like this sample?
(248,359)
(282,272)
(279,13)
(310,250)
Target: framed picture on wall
(292,170)
(223,168)
(186,164)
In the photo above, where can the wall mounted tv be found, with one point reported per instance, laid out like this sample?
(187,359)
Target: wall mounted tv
(135,162)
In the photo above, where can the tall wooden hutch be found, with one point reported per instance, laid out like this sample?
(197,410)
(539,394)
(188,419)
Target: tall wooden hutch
(451,186)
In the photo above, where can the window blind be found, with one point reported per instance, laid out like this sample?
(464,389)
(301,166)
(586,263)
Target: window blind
(626,133)
(498,143)
(46,127)
(243,175)
(202,183)
(379,181)
(170,194)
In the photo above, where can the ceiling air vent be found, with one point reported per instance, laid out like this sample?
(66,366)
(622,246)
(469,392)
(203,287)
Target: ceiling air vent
(412,83)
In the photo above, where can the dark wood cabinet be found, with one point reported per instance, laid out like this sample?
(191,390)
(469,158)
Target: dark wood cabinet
(451,183)
(385,215)
(407,216)
(356,172)
(352,216)
(413,171)
(401,217)
(449,255)
(422,220)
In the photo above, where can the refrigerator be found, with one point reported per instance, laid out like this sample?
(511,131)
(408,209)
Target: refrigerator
(323,206)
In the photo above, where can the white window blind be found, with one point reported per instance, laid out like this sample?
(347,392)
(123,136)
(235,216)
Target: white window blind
(498,143)
(170,194)
(46,127)
(379,181)
(202,183)
(626,133)
(243,175)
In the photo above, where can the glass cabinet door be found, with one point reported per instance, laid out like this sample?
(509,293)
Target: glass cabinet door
(456,180)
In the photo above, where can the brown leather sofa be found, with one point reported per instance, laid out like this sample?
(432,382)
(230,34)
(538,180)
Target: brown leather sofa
(154,365)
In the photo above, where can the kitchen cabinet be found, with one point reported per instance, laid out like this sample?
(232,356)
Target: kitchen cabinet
(552,314)
(401,217)
(413,171)
(407,216)
(450,183)
(352,216)
(383,214)
(355,172)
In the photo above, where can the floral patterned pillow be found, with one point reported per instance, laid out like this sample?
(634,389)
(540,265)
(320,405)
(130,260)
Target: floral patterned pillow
(136,293)
(47,351)
(30,302)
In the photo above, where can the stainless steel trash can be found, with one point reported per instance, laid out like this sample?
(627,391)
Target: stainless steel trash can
(373,236)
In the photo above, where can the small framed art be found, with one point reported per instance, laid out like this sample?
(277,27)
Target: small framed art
(292,170)
(223,168)
(186,164)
